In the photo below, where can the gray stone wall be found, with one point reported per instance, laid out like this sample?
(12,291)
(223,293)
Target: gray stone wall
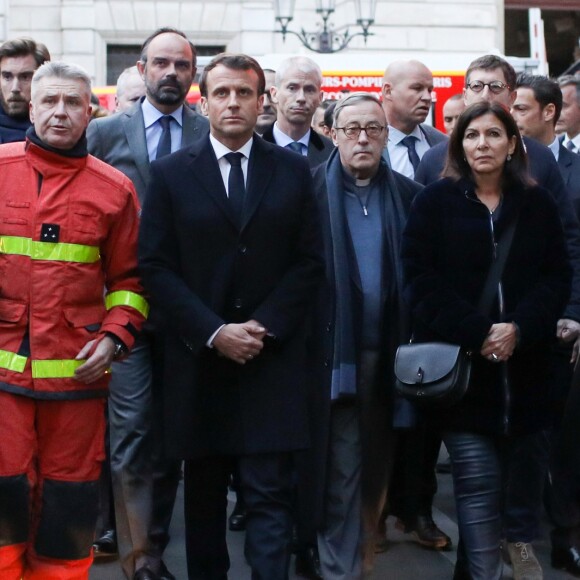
(79,30)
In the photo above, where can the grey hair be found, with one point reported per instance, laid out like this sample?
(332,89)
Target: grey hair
(353,99)
(131,70)
(302,63)
(570,80)
(60,70)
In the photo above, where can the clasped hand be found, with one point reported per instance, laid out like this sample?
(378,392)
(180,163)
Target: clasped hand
(240,342)
(500,342)
(99,356)
(567,331)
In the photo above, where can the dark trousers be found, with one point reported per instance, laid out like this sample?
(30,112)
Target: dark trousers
(526,465)
(359,466)
(106,520)
(477,476)
(267,482)
(483,484)
(565,462)
(144,481)
(529,457)
(414,482)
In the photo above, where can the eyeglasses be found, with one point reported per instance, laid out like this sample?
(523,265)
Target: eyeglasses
(496,87)
(353,131)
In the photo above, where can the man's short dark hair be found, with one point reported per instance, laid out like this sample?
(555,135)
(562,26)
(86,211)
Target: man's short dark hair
(546,91)
(571,80)
(235,62)
(165,30)
(23,47)
(491,62)
(329,114)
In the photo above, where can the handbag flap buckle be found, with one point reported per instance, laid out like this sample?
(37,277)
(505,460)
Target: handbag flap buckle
(419,363)
(420,375)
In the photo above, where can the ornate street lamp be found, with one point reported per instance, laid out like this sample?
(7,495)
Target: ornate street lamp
(327,39)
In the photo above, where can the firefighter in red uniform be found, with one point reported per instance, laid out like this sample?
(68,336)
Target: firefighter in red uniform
(70,302)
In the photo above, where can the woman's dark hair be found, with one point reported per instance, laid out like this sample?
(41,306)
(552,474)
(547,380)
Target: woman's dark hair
(515,170)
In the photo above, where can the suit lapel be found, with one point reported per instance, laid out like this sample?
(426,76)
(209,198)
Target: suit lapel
(190,127)
(564,163)
(206,171)
(260,172)
(269,135)
(134,127)
(315,148)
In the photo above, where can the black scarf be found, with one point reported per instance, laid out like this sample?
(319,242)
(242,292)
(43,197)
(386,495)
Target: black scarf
(78,151)
(12,129)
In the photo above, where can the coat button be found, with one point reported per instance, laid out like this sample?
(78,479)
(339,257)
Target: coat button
(243,249)
(328,327)
(238,303)
(326,363)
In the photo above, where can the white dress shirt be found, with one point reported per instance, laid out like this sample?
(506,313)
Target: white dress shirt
(399,154)
(221,151)
(283,140)
(554,147)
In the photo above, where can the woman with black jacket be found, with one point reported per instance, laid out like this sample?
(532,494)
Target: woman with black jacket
(448,246)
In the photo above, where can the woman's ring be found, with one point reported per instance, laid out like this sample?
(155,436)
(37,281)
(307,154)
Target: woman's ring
(494,357)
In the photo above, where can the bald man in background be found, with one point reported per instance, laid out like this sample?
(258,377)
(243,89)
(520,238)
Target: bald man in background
(452,109)
(407,88)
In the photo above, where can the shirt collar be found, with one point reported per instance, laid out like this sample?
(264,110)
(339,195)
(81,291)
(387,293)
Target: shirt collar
(221,150)
(151,114)
(554,147)
(396,136)
(282,139)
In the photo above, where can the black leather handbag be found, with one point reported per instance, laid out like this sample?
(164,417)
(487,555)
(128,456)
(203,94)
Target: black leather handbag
(438,373)
(434,373)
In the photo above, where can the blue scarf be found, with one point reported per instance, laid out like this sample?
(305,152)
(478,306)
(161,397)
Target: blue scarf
(344,368)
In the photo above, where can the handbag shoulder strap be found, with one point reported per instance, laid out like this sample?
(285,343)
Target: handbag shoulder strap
(497,266)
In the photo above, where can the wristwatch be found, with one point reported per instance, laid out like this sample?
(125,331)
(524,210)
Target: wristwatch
(120,348)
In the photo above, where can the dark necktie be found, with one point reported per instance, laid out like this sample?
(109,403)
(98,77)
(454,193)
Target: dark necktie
(295,146)
(236,187)
(164,145)
(409,143)
(570,146)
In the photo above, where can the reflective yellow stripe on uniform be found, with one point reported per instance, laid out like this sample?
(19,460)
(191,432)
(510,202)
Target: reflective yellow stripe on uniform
(47,251)
(12,361)
(55,369)
(126,298)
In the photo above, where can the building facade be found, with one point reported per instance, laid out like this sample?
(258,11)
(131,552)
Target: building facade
(103,36)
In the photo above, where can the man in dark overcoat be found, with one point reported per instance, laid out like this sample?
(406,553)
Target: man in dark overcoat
(361,319)
(230,252)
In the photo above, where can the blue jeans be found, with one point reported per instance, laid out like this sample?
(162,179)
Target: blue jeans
(477,482)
